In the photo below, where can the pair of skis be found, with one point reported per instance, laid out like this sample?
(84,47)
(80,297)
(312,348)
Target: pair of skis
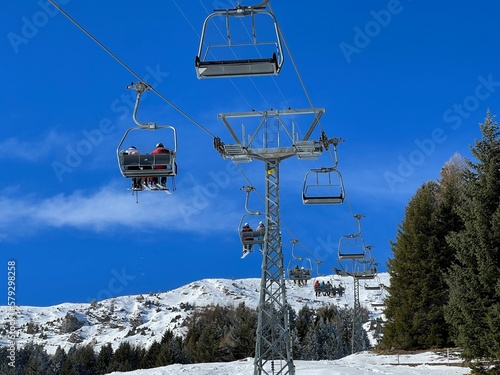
(156,187)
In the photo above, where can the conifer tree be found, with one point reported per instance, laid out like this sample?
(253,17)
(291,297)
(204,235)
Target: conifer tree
(170,350)
(104,358)
(125,358)
(244,332)
(68,368)
(310,345)
(84,361)
(4,361)
(474,280)
(150,359)
(418,292)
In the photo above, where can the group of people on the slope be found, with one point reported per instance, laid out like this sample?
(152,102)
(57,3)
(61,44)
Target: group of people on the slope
(327,289)
(248,236)
(150,182)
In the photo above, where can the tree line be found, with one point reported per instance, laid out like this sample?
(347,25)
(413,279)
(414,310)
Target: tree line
(214,334)
(445,264)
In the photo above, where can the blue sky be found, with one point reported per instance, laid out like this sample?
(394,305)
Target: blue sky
(405,83)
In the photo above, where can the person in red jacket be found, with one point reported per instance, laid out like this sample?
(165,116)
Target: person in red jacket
(160,150)
(317,288)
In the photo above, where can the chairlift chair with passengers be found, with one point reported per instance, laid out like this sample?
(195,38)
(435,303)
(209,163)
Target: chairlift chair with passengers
(144,164)
(253,236)
(252,218)
(299,268)
(233,56)
(330,288)
(324,185)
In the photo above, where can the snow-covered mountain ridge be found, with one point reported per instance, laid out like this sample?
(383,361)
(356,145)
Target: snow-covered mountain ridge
(142,319)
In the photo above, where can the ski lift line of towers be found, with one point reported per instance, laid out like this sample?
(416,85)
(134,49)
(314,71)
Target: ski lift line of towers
(272,304)
(273,332)
(273,339)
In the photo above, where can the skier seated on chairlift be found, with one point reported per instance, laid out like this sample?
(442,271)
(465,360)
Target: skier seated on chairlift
(304,276)
(317,288)
(261,228)
(247,241)
(322,286)
(160,150)
(295,272)
(328,288)
(136,182)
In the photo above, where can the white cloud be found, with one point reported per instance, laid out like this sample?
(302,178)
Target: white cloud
(112,207)
(32,150)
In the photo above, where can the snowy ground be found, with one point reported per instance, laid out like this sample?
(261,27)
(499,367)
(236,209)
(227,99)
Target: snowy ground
(365,363)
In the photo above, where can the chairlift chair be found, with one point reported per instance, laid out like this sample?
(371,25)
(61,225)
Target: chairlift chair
(253,237)
(323,186)
(339,285)
(328,289)
(299,268)
(374,285)
(145,164)
(351,247)
(216,60)
(365,269)
(303,273)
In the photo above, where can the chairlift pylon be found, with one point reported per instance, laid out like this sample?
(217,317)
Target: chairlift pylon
(219,59)
(148,167)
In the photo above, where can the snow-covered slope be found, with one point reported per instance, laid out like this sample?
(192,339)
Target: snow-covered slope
(364,363)
(142,319)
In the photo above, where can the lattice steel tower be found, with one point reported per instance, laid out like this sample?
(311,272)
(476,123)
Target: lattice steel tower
(355,259)
(271,140)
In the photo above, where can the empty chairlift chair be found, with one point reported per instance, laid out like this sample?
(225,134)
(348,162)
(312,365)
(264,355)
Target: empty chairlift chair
(351,247)
(250,48)
(323,186)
